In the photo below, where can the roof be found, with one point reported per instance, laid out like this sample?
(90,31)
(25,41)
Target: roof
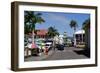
(80,32)
(42,32)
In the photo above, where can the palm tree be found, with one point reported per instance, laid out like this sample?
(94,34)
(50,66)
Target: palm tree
(86,27)
(86,24)
(52,32)
(30,19)
(73,24)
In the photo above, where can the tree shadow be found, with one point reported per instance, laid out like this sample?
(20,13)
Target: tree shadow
(84,52)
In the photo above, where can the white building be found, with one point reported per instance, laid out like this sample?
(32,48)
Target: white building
(79,37)
(59,39)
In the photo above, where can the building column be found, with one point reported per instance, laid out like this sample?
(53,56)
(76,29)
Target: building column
(74,39)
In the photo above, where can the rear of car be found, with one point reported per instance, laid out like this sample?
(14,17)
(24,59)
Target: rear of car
(48,44)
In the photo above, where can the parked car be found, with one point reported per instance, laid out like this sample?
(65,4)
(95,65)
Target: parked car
(25,41)
(33,48)
(48,44)
(60,47)
(40,44)
(44,44)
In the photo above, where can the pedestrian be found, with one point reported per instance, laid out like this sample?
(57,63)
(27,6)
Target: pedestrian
(46,50)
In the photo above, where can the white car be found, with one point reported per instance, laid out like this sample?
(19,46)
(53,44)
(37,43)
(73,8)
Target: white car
(48,44)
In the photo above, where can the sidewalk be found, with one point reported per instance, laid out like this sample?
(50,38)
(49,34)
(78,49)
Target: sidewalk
(41,57)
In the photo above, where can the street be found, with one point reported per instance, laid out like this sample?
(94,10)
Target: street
(66,54)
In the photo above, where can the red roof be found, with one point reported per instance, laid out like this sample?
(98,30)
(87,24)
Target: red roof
(42,32)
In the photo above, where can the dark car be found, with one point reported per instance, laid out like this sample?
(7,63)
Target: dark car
(60,47)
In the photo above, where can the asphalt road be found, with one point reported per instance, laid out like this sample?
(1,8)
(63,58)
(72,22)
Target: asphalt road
(66,54)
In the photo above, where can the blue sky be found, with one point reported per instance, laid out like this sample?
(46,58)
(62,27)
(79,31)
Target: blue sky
(61,21)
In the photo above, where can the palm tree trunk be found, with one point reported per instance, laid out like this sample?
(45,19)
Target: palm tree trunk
(33,36)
